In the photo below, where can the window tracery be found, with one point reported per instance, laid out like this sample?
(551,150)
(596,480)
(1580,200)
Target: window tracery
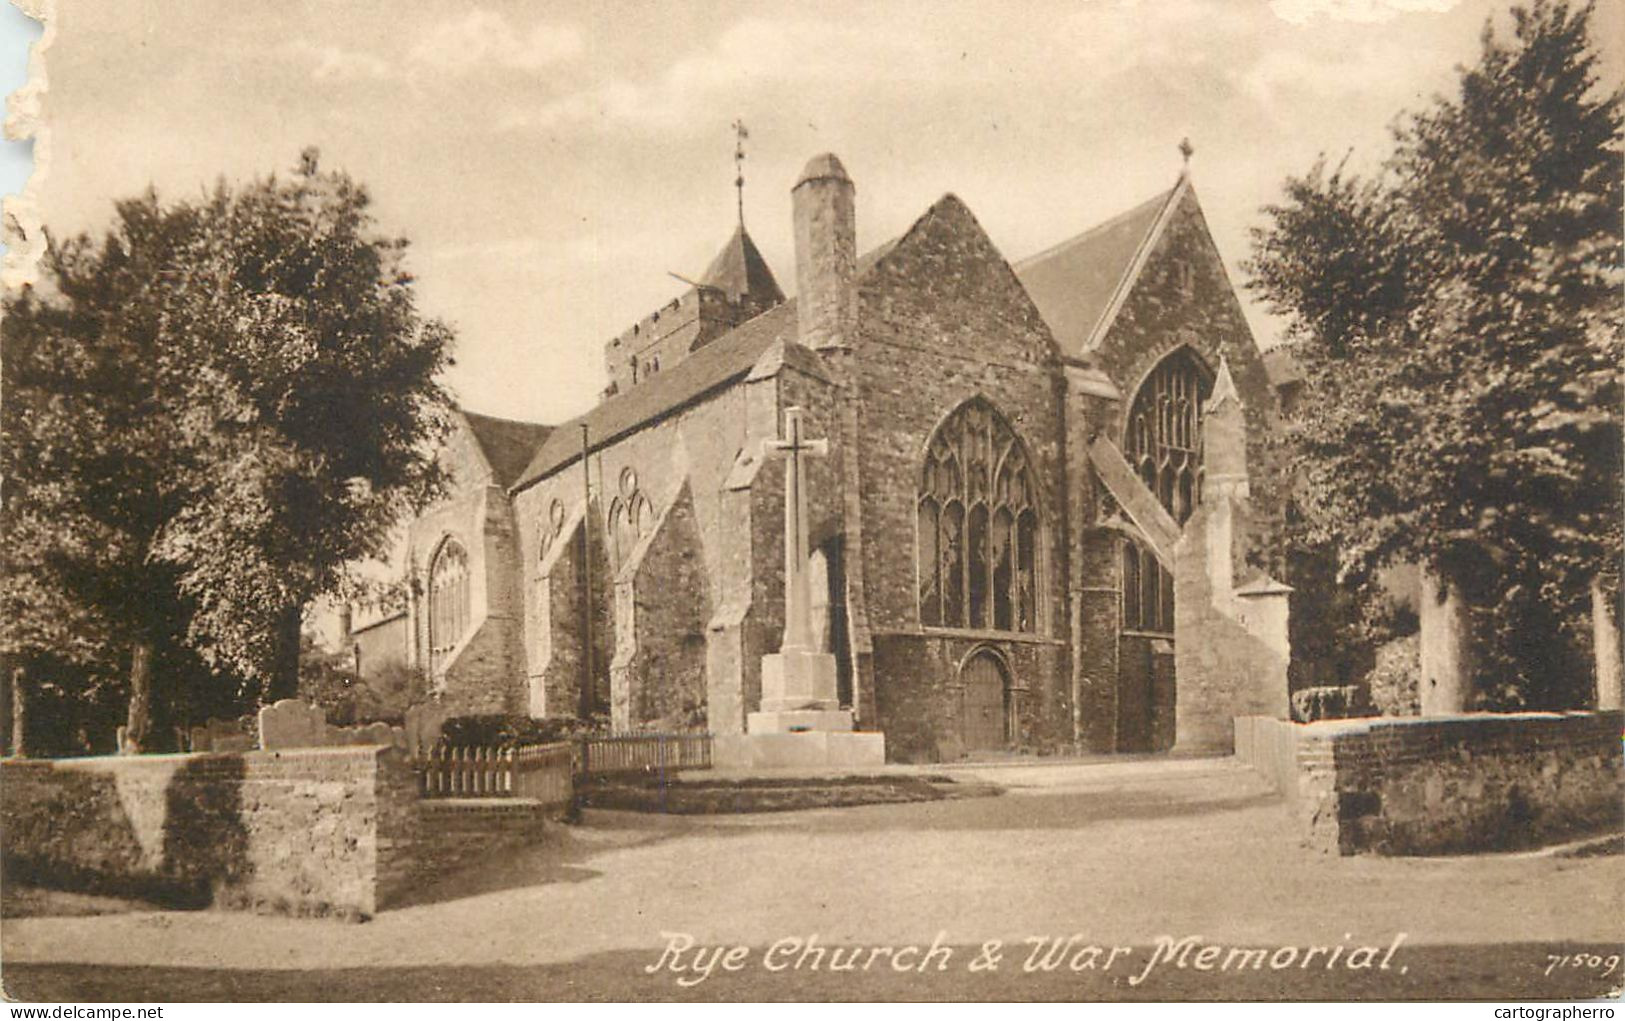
(449,598)
(1163,443)
(977,522)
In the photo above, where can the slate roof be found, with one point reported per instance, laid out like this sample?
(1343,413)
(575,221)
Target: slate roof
(1074,283)
(722,361)
(739,269)
(730,357)
(506,443)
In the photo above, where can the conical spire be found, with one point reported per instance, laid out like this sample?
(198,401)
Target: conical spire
(739,271)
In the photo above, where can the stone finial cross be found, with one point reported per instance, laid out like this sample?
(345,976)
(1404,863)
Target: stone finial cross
(797,597)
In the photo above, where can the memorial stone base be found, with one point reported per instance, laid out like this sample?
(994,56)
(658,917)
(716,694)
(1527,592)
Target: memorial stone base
(801,724)
(804,749)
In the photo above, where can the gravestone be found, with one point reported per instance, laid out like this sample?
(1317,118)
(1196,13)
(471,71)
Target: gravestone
(216,735)
(423,724)
(291,723)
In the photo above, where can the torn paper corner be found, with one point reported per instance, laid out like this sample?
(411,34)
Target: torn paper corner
(24,234)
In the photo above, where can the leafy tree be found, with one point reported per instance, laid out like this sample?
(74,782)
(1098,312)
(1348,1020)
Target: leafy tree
(209,414)
(90,455)
(317,397)
(1459,321)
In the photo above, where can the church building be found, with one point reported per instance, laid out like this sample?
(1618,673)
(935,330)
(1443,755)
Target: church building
(1025,535)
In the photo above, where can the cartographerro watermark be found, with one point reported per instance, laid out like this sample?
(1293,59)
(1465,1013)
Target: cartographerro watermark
(691,963)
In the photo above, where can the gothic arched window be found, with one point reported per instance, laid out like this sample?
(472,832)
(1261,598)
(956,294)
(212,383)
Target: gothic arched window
(629,521)
(1163,443)
(448,601)
(1163,440)
(978,526)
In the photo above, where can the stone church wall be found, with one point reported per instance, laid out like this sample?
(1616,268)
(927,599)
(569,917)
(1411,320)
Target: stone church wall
(1183,296)
(556,651)
(697,445)
(479,675)
(1097,638)
(920,697)
(944,320)
(382,645)
(664,605)
(1145,694)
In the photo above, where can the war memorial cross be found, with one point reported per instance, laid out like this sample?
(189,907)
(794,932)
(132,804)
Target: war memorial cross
(797,598)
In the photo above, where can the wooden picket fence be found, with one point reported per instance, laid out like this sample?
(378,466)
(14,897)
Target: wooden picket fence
(543,772)
(639,753)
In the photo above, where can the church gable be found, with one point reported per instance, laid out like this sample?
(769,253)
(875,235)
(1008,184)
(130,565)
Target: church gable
(1178,294)
(1076,283)
(505,445)
(482,450)
(942,265)
(463,458)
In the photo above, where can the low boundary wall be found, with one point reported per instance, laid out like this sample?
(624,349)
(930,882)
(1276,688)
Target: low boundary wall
(335,830)
(1446,784)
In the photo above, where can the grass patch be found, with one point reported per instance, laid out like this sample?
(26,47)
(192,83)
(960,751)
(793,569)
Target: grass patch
(708,796)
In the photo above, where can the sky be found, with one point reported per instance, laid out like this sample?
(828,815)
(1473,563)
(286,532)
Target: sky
(552,163)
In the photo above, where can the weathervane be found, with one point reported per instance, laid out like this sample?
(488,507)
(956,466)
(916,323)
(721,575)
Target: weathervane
(1185,150)
(740,134)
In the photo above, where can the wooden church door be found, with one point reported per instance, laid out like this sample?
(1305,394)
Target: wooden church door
(984,714)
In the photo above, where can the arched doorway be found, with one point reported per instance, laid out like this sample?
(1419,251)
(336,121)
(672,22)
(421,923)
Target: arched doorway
(985,716)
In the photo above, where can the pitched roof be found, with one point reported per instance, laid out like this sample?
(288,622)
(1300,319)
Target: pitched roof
(739,269)
(1078,284)
(730,357)
(508,445)
(723,360)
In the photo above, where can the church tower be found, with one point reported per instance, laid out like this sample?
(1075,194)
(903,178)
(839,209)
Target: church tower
(736,287)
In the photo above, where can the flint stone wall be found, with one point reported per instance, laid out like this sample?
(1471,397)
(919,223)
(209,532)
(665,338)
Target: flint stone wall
(1440,785)
(318,831)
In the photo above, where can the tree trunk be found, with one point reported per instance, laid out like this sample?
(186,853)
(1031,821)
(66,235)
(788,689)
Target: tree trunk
(7,685)
(284,680)
(19,713)
(1605,645)
(138,722)
(1448,657)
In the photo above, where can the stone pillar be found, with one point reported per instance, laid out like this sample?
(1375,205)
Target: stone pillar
(1606,646)
(1446,639)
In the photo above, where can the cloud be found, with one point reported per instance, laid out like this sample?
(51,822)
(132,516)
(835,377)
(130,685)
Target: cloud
(1301,12)
(483,39)
(337,63)
(755,57)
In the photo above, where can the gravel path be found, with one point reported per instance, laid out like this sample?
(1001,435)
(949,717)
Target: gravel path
(1122,852)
